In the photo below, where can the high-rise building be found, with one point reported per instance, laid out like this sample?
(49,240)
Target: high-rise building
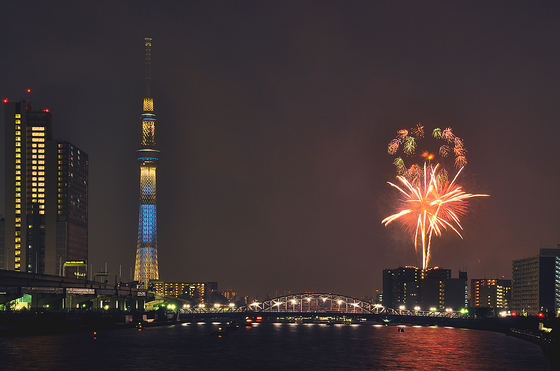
(491,293)
(401,287)
(433,287)
(71,193)
(46,196)
(536,283)
(146,266)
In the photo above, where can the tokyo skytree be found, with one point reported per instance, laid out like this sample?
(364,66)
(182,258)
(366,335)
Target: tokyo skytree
(146,266)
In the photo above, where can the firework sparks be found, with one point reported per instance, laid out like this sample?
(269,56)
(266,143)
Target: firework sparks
(430,203)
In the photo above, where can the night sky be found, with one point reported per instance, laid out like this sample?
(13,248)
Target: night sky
(273,119)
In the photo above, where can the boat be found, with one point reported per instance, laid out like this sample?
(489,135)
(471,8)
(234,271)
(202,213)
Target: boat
(220,332)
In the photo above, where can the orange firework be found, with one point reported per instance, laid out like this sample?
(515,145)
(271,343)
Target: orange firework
(428,206)
(430,203)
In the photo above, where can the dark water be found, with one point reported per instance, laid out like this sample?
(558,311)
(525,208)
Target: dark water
(274,346)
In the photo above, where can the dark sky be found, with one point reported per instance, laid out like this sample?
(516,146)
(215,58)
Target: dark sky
(273,124)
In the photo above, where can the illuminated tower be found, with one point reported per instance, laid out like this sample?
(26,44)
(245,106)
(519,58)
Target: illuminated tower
(146,267)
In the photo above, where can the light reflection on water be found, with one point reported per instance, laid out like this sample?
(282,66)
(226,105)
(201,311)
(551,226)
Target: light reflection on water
(273,346)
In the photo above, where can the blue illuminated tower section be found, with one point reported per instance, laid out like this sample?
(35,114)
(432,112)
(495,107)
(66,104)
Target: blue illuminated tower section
(146,266)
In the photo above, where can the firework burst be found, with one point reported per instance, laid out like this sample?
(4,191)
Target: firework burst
(430,203)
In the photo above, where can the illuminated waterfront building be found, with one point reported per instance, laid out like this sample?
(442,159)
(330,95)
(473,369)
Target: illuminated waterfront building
(196,291)
(491,293)
(146,265)
(46,193)
(536,283)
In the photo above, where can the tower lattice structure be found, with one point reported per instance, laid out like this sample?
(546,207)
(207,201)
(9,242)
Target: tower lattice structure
(146,266)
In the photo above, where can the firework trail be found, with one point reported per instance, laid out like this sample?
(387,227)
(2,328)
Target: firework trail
(430,202)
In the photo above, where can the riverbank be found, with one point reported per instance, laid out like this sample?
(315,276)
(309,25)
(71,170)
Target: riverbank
(41,323)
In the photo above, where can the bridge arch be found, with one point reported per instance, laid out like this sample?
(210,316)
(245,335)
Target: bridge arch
(318,302)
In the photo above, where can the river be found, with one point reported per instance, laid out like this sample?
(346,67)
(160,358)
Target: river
(274,346)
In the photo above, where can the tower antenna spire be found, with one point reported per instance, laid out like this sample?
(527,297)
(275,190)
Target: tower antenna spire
(148,44)
(28,105)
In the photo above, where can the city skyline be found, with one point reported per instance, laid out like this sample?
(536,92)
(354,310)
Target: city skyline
(274,124)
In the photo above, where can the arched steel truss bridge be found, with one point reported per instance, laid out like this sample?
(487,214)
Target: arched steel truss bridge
(316,303)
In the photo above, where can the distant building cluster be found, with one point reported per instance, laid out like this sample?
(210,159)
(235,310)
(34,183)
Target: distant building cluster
(534,288)
(424,289)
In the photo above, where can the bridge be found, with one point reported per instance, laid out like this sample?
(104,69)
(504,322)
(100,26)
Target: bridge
(306,303)
(63,293)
